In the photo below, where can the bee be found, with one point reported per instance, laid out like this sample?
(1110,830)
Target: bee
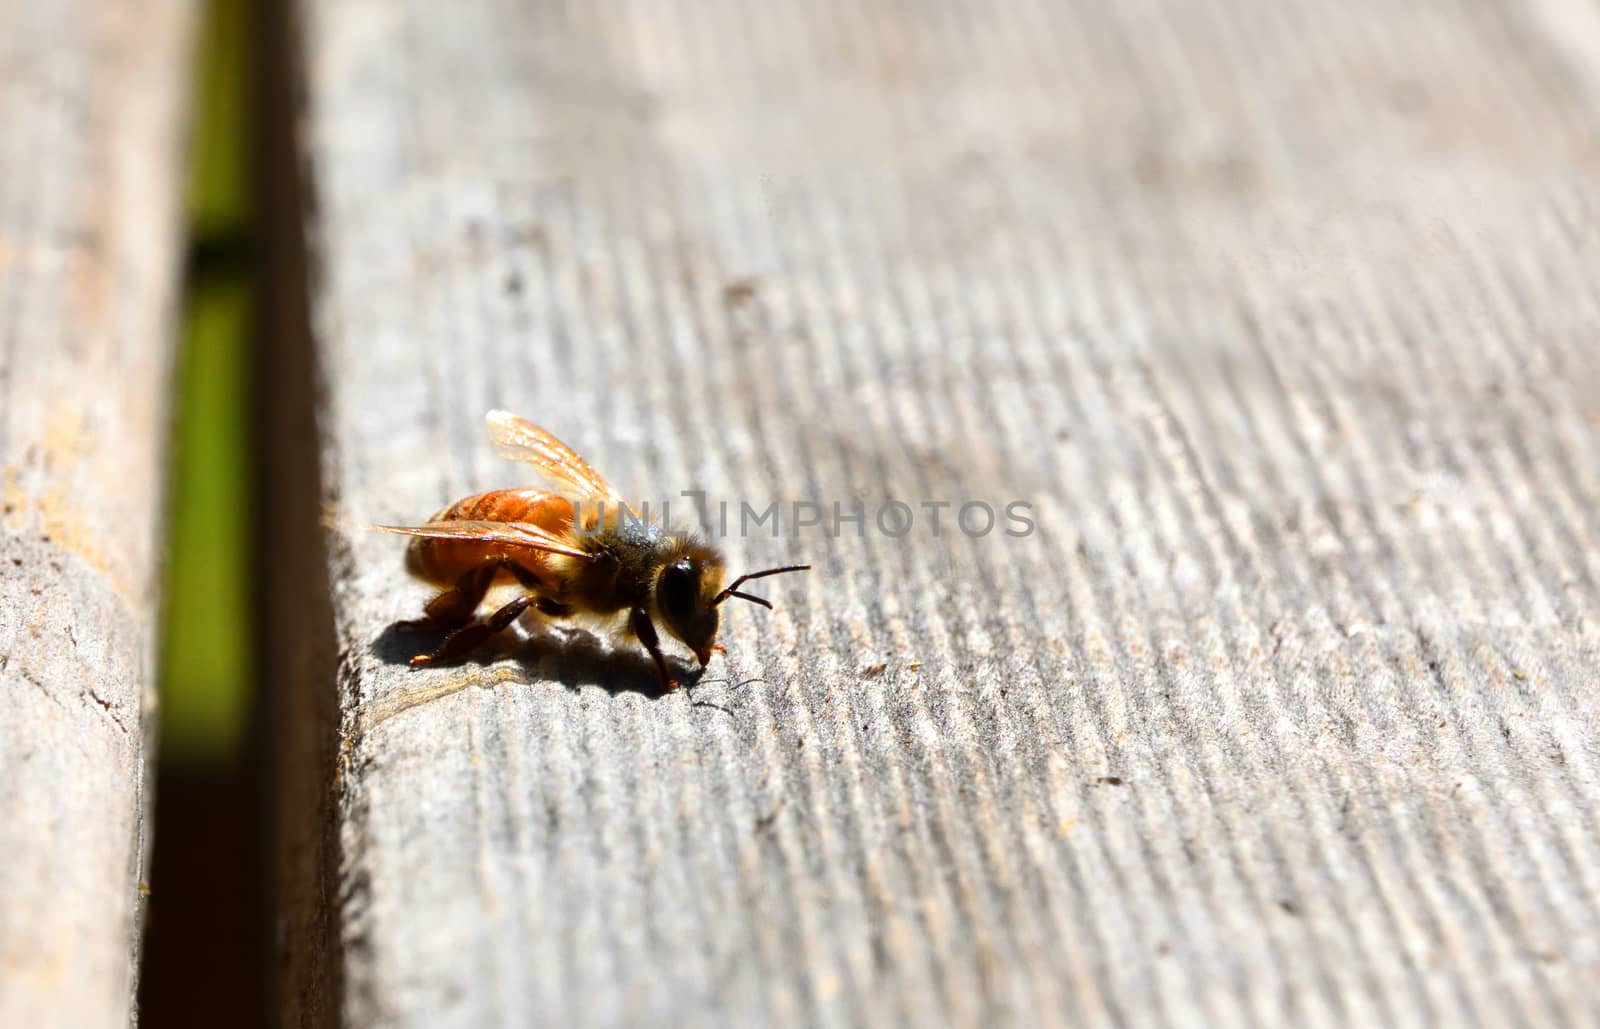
(576,552)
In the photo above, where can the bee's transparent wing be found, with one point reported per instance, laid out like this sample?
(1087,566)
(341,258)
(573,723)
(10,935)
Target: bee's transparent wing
(521,440)
(516,534)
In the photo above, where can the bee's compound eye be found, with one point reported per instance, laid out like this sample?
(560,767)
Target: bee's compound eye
(686,607)
(677,587)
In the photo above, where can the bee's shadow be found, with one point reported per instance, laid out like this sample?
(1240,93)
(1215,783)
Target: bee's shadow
(572,656)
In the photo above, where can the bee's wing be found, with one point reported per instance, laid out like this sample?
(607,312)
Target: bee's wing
(516,534)
(521,440)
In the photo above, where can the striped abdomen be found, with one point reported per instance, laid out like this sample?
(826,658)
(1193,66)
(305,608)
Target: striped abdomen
(443,561)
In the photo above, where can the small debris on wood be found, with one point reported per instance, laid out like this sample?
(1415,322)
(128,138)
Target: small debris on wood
(739,291)
(764,822)
(714,707)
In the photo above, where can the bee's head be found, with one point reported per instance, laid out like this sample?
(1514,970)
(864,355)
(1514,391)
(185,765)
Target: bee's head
(689,590)
(686,598)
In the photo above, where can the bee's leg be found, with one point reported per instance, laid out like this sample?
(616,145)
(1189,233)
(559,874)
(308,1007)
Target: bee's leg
(455,607)
(470,637)
(554,608)
(639,622)
(546,604)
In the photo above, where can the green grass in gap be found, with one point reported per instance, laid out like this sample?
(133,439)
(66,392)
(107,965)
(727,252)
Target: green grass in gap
(206,655)
(220,147)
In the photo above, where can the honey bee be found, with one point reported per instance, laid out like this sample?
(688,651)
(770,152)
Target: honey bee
(617,565)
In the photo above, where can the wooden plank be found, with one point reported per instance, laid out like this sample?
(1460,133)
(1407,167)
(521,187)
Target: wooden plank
(1282,321)
(90,146)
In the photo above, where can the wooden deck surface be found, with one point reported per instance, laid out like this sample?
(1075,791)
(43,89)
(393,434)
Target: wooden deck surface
(91,99)
(1282,317)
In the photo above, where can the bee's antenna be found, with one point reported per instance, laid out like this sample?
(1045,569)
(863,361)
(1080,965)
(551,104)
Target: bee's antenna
(733,587)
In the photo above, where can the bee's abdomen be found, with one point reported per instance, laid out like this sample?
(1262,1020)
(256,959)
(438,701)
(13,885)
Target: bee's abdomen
(502,505)
(444,561)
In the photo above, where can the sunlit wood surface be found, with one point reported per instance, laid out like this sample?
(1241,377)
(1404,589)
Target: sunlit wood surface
(1282,317)
(91,104)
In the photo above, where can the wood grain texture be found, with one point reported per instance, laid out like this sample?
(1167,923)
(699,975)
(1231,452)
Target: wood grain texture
(91,97)
(1283,320)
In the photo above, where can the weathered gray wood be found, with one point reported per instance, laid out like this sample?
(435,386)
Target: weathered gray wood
(91,169)
(1284,320)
